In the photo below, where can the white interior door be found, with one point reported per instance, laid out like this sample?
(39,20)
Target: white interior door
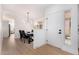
(55,23)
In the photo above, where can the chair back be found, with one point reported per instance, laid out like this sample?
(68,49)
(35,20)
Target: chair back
(20,32)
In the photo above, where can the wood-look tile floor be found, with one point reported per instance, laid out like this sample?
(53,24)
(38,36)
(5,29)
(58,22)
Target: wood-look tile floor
(17,47)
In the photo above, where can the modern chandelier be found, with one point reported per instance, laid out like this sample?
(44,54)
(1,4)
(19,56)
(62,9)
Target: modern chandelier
(27,16)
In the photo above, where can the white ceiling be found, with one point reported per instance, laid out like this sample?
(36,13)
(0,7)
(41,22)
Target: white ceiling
(24,8)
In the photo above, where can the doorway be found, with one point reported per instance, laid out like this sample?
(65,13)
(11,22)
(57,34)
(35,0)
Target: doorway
(8,28)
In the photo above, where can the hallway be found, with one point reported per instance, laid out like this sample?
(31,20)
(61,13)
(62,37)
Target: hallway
(13,46)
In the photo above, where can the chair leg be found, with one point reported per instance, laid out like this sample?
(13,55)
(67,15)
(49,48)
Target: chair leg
(28,41)
(31,39)
(24,40)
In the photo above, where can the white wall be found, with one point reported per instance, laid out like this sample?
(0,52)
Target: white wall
(55,14)
(39,37)
(5,28)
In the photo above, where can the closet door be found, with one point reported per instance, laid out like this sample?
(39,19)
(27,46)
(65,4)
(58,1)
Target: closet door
(55,25)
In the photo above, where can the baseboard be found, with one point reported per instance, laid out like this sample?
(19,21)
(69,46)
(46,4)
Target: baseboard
(72,51)
(52,44)
(35,47)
